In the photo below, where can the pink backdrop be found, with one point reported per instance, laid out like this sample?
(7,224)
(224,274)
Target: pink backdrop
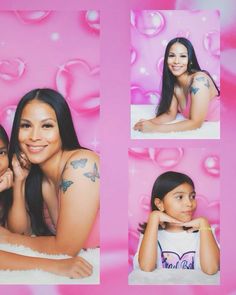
(145,164)
(114,138)
(52,49)
(151,30)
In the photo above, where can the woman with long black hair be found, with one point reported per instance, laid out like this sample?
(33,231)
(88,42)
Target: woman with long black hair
(52,174)
(186,89)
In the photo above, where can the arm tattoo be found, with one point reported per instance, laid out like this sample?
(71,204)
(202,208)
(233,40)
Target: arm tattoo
(93,175)
(200,78)
(203,79)
(79,163)
(193,90)
(207,84)
(65,184)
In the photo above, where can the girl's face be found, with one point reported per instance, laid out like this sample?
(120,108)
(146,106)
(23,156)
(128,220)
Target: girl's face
(177,59)
(39,136)
(4,162)
(180,203)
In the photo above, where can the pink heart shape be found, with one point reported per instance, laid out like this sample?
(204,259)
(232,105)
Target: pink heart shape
(212,43)
(31,17)
(211,210)
(145,202)
(92,18)
(168,157)
(7,117)
(11,69)
(211,165)
(139,152)
(148,22)
(79,83)
(141,96)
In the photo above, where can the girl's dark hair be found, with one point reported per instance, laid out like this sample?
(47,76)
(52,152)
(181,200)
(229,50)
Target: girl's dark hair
(169,80)
(33,186)
(165,183)
(5,196)
(4,136)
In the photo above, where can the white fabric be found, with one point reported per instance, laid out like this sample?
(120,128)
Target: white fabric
(209,130)
(178,245)
(42,277)
(173,277)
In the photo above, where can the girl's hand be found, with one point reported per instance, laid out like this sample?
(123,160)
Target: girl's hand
(6,180)
(196,224)
(164,218)
(76,267)
(145,126)
(20,168)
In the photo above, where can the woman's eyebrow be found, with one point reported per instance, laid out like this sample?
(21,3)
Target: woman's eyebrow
(3,149)
(178,53)
(47,119)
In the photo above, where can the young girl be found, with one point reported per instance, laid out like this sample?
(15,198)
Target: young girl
(186,89)
(6,176)
(172,238)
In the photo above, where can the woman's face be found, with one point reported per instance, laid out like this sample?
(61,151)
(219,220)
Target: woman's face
(4,162)
(177,59)
(39,136)
(180,203)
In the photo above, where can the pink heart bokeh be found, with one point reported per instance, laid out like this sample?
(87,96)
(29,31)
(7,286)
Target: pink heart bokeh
(79,83)
(11,70)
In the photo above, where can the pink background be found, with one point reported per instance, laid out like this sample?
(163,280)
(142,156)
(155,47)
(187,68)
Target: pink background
(55,49)
(114,142)
(151,30)
(145,164)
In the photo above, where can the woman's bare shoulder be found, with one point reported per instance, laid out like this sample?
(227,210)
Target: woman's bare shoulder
(82,155)
(200,77)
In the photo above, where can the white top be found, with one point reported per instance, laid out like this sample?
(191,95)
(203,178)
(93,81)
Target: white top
(175,250)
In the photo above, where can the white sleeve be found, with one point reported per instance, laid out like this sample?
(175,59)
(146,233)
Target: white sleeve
(135,260)
(159,260)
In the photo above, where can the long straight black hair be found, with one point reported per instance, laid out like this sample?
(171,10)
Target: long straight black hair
(5,196)
(165,183)
(33,186)
(169,80)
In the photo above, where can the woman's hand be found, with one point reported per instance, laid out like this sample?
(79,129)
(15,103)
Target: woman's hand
(145,126)
(20,167)
(6,180)
(76,267)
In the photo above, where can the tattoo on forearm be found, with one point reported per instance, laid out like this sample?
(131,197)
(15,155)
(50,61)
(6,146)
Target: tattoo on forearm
(193,90)
(94,174)
(65,184)
(79,163)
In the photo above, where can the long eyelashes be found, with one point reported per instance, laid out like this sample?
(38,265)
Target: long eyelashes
(26,126)
(182,56)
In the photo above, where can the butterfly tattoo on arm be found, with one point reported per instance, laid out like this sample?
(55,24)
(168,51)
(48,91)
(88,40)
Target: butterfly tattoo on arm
(94,174)
(65,184)
(79,163)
